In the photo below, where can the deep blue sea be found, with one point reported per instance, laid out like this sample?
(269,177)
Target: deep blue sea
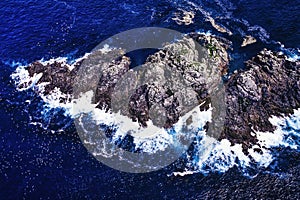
(40,162)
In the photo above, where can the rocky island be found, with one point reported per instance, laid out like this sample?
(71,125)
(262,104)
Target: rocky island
(269,86)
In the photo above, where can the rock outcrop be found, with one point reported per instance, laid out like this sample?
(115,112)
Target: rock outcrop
(269,86)
(248,40)
(179,58)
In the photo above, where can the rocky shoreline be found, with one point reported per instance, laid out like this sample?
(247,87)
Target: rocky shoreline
(269,86)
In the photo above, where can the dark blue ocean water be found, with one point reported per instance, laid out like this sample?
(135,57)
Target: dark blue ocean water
(44,162)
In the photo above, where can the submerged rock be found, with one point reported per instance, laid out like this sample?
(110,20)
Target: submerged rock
(184,17)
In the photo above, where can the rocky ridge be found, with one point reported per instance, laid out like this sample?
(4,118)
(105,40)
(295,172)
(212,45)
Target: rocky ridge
(269,86)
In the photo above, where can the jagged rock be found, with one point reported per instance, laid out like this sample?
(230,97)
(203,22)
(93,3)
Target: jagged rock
(269,86)
(248,40)
(172,97)
(56,74)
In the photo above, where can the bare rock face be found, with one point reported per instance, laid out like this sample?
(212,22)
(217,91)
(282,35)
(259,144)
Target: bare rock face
(270,86)
(248,40)
(56,74)
(181,59)
(201,72)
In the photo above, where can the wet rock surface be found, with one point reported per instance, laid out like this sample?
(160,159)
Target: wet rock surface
(56,74)
(269,86)
(179,60)
(248,40)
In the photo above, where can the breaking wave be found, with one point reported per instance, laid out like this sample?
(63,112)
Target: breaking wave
(208,154)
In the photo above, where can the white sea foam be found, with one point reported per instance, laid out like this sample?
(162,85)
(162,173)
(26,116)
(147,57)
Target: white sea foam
(224,155)
(210,154)
(23,80)
(293,58)
(64,61)
(291,54)
(157,140)
(150,139)
(55,99)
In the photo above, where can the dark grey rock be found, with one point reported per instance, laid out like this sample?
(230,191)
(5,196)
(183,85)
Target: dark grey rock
(269,86)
